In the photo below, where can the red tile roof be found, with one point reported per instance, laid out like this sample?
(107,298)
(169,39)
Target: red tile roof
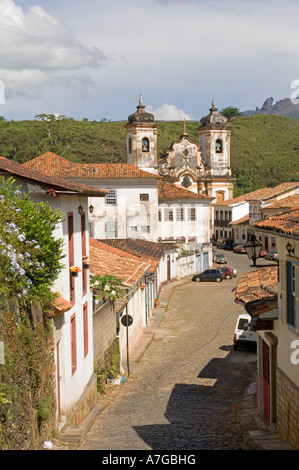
(168,191)
(257,290)
(51,182)
(260,194)
(284,223)
(285,203)
(105,259)
(244,220)
(147,250)
(53,164)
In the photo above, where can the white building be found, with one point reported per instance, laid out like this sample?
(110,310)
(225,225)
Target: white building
(72,312)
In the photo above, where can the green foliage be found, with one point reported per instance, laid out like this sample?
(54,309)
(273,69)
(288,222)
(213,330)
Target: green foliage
(106,287)
(264,148)
(109,367)
(30,256)
(230,112)
(26,382)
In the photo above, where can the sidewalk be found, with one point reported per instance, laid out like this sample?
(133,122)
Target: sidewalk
(256,434)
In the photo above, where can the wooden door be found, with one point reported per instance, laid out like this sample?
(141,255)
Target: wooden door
(58,381)
(266,381)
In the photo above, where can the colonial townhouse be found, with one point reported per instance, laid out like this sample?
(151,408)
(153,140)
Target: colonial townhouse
(183,221)
(233,217)
(271,296)
(75,381)
(129,210)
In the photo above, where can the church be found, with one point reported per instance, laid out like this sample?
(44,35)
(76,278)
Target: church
(202,167)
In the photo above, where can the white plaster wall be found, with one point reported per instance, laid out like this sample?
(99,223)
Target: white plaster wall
(129,213)
(174,229)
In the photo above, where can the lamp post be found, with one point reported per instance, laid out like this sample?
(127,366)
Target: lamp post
(253,248)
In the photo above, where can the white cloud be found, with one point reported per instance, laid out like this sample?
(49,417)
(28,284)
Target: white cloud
(35,46)
(168,112)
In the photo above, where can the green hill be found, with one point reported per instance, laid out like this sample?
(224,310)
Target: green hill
(264,148)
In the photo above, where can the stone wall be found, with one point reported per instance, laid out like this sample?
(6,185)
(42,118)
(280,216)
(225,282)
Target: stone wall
(104,329)
(287,409)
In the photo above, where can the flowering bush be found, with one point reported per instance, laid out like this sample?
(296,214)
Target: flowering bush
(106,287)
(29,254)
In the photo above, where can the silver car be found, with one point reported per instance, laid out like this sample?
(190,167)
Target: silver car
(271,255)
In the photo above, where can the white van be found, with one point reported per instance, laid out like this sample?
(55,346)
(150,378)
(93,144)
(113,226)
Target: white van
(244,336)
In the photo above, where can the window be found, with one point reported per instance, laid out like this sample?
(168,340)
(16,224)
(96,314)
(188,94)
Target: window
(145,229)
(83,242)
(219,146)
(73,344)
(145,144)
(186,182)
(192,214)
(291,293)
(130,145)
(180,214)
(85,329)
(159,215)
(168,214)
(70,221)
(110,229)
(219,196)
(144,197)
(110,198)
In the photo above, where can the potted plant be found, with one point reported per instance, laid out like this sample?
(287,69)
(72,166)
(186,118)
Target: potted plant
(75,270)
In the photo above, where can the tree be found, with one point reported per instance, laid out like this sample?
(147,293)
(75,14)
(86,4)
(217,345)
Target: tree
(230,112)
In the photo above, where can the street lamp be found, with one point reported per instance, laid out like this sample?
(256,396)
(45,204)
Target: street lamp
(253,248)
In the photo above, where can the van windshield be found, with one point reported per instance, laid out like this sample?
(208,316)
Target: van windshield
(243,324)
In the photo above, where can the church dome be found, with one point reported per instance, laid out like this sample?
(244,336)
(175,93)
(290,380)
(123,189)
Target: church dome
(213,118)
(141,115)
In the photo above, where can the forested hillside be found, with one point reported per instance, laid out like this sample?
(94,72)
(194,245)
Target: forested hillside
(264,149)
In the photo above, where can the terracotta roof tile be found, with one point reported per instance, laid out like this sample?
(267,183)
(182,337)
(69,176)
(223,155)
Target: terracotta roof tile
(284,223)
(50,181)
(53,164)
(147,250)
(260,194)
(257,290)
(243,220)
(168,191)
(105,259)
(285,203)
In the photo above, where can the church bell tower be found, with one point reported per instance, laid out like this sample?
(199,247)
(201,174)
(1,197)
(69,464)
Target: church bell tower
(214,140)
(142,139)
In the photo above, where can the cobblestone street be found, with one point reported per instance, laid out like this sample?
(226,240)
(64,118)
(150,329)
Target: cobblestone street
(185,391)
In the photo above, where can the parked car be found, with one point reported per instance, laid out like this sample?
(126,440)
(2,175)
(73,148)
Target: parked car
(234,270)
(219,258)
(263,253)
(209,275)
(271,255)
(239,249)
(228,272)
(243,335)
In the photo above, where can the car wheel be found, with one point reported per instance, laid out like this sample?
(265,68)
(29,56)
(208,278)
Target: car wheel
(197,279)
(218,279)
(236,346)
(228,276)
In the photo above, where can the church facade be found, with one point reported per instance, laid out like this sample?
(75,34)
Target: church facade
(202,167)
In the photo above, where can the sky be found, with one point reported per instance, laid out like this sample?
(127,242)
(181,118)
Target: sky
(93,59)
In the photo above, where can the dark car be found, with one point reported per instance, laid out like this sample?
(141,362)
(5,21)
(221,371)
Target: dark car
(209,275)
(239,249)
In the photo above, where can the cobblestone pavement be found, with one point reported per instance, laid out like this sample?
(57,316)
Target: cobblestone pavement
(186,389)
